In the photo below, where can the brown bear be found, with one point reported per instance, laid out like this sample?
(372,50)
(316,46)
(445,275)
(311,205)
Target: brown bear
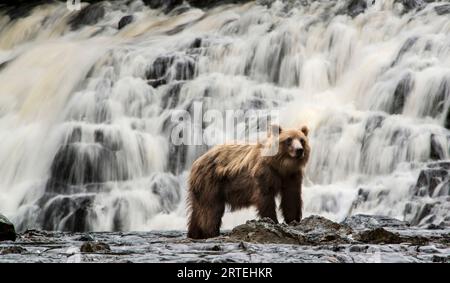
(241,176)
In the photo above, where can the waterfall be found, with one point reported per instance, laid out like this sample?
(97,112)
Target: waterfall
(86,99)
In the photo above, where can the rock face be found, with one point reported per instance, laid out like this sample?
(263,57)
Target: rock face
(7,231)
(89,15)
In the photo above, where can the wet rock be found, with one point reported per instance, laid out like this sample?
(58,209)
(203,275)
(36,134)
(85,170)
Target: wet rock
(208,4)
(312,230)
(165,5)
(362,221)
(447,119)
(356,7)
(383,236)
(20,8)
(431,177)
(439,98)
(95,247)
(401,93)
(89,15)
(126,20)
(266,231)
(407,45)
(85,238)
(442,9)
(379,236)
(441,259)
(171,67)
(318,229)
(7,230)
(436,149)
(76,164)
(67,213)
(12,250)
(409,5)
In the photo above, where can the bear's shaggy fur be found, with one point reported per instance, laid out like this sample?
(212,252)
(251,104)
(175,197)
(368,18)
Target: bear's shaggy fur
(241,176)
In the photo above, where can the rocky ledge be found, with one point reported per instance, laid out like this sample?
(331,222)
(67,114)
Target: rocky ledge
(359,238)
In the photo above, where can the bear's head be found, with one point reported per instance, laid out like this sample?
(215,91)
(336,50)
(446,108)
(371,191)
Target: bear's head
(293,148)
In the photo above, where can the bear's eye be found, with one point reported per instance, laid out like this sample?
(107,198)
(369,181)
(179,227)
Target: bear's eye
(288,141)
(302,142)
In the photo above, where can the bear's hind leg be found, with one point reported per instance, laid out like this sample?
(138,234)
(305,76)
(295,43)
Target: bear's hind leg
(206,218)
(194,229)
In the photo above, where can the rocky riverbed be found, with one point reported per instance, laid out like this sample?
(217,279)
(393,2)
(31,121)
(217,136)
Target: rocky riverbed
(360,238)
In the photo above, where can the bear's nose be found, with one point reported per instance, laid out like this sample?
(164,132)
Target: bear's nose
(299,152)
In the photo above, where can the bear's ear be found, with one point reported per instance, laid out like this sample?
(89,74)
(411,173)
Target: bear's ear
(275,129)
(305,130)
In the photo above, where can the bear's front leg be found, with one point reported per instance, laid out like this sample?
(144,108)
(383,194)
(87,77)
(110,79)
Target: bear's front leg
(291,200)
(266,207)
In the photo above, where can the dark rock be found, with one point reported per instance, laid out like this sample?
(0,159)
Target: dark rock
(430,177)
(208,4)
(356,7)
(442,9)
(12,250)
(216,248)
(401,93)
(197,43)
(157,82)
(379,236)
(362,221)
(439,98)
(67,213)
(318,229)
(436,149)
(171,67)
(447,119)
(17,9)
(126,20)
(94,247)
(89,15)
(266,231)
(383,236)
(76,164)
(313,230)
(7,231)
(407,45)
(409,5)
(165,5)
(85,238)
(441,259)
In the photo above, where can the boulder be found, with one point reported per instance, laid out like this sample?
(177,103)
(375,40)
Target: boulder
(89,15)
(431,177)
(266,231)
(384,236)
(12,250)
(312,230)
(7,231)
(442,9)
(94,247)
(126,20)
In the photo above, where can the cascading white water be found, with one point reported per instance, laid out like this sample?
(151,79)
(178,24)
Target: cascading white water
(85,108)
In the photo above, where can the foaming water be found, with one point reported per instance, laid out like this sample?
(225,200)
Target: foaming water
(85,107)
